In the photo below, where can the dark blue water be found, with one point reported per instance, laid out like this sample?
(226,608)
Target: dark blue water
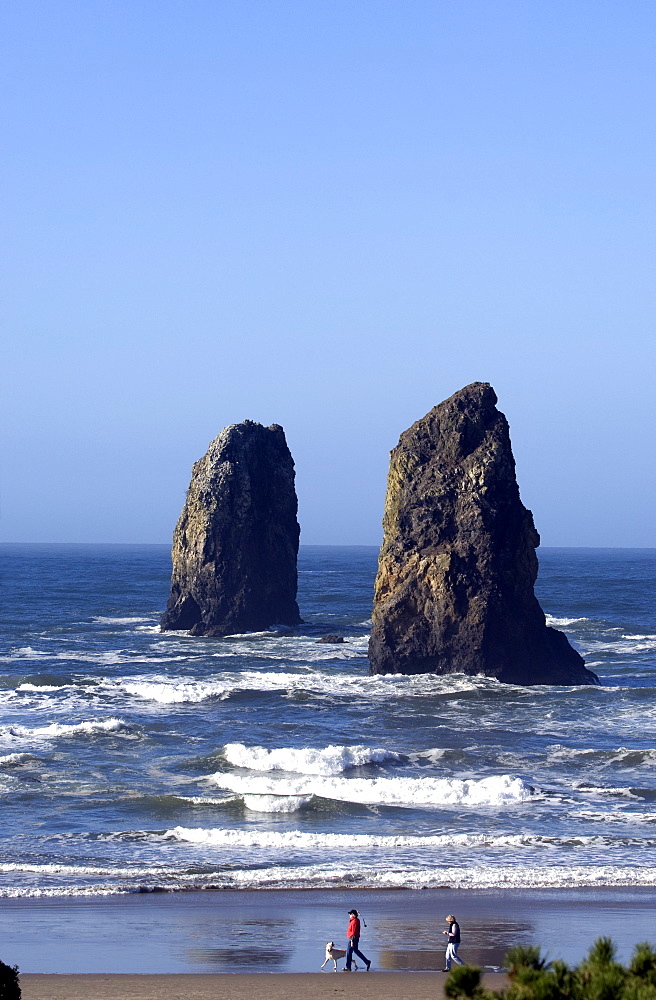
(132,759)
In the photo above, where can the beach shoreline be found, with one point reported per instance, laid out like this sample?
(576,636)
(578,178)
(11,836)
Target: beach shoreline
(285,932)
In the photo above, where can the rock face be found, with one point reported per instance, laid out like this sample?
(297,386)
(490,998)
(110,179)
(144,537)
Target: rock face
(235,545)
(454,590)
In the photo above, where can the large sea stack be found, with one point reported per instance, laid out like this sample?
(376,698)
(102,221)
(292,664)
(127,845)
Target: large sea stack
(235,545)
(454,590)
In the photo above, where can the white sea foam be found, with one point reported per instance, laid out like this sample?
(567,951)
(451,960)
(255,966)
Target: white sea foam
(14,759)
(262,634)
(616,816)
(494,791)
(111,659)
(296,840)
(321,876)
(621,792)
(624,645)
(634,646)
(102,620)
(563,622)
(207,800)
(169,690)
(43,688)
(24,653)
(296,650)
(105,658)
(433,755)
(329,761)
(12,868)
(176,692)
(276,803)
(599,756)
(57,891)
(293,650)
(62,729)
(498,877)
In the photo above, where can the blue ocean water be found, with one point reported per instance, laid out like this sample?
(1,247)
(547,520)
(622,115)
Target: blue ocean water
(132,760)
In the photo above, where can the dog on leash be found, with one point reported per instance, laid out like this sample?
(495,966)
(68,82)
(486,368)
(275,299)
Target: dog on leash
(333,953)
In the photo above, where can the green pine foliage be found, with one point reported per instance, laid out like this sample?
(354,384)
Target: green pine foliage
(532,977)
(464,981)
(9,987)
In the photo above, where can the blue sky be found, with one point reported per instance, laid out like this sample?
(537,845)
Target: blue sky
(329,215)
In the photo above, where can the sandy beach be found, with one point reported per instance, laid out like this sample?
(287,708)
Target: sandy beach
(290,986)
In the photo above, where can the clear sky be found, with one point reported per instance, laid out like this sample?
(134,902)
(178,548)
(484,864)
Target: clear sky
(330,215)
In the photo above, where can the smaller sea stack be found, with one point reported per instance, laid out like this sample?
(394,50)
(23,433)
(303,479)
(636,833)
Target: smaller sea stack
(454,590)
(236,543)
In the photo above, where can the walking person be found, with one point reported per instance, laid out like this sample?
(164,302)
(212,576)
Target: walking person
(353,941)
(453,941)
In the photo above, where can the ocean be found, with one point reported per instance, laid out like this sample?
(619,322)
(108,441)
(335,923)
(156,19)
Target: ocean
(133,761)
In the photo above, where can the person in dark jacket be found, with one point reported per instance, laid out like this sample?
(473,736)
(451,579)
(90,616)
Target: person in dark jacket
(353,940)
(453,940)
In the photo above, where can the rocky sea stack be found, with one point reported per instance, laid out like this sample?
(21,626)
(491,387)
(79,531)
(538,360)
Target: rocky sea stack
(236,543)
(454,590)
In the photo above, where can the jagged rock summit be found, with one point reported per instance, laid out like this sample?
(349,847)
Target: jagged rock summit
(454,590)
(236,543)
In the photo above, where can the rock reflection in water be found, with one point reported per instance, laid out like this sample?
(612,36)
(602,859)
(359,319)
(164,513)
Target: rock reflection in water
(239,957)
(249,944)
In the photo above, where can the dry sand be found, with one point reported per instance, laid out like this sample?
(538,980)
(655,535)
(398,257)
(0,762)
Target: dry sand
(283,986)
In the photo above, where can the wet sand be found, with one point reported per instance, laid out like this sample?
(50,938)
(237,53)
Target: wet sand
(288,986)
(216,933)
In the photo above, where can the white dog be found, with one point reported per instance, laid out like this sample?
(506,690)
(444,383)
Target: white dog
(333,953)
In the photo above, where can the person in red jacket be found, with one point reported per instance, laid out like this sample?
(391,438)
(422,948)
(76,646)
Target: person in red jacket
(353,940)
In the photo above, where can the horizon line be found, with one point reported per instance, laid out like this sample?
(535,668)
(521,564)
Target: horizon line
(330,545)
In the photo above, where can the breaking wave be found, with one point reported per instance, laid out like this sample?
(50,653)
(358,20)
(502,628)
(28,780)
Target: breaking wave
(15,759)
(621,756)
(330,761)
(563,622)
(181,690)
(300,840)
(276,803)
(411,792)
(61,729)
